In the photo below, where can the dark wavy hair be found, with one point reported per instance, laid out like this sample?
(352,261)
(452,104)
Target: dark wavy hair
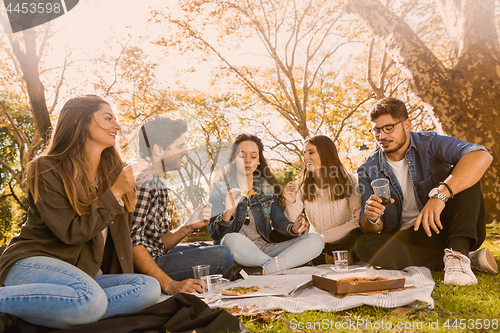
(388,105)
(332,171)
(263,171)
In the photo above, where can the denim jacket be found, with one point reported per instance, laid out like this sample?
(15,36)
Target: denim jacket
(429,158)
(265,208)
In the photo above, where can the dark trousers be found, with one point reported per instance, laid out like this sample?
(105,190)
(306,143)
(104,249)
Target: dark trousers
(347,243)
(463,216)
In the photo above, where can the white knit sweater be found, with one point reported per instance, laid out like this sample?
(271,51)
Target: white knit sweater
(332,220)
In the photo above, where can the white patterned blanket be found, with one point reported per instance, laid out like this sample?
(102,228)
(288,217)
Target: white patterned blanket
(312,298)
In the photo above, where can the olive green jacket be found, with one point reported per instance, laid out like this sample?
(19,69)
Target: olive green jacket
(54,229)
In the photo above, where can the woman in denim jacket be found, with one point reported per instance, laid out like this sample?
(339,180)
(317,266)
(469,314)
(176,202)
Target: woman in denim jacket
(246,210)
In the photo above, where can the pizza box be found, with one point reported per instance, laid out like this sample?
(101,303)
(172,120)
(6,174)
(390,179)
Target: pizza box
(332,283)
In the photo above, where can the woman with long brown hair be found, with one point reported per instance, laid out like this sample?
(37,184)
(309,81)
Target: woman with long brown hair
(63,268)
(246,208)
(327,194)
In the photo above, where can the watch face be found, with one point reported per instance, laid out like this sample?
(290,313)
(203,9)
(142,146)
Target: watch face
(433,192)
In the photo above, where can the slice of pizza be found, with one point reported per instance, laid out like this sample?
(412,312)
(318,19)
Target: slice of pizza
(363,279)
(238,291)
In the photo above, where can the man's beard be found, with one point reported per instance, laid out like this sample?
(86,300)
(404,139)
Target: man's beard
(171,164)
(398,147)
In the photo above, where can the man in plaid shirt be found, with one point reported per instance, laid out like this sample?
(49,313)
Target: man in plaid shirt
(155,247)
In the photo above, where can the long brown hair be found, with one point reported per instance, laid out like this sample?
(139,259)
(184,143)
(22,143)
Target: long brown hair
(332,172)
(263,172)
(66,151)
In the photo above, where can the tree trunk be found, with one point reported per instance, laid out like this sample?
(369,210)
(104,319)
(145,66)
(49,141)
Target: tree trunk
(28,61)
(464,99)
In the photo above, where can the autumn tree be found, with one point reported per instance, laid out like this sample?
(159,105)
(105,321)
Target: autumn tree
(463,95)
(24,114)
(289,66)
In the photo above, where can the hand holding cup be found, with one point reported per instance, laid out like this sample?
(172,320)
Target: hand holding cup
(289,192)
(300,226)
(141,170)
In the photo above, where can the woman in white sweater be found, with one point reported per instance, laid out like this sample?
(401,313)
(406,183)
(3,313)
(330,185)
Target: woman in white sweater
(329,196)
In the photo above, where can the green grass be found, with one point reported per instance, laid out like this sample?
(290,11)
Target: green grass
(474,304)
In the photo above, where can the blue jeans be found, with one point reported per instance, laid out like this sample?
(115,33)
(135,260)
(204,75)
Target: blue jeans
(296,252)
(179,261)
(51,292)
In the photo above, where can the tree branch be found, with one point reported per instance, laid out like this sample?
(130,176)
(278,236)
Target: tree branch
(425,73)
(342,123)
(60,83)
(11,171)
(117,61)
(13,194)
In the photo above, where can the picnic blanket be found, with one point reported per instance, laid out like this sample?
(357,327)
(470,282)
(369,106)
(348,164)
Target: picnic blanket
(312,298)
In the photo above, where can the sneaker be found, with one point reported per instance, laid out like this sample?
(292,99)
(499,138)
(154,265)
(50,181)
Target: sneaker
(457,269)
(483,260)
(234,272)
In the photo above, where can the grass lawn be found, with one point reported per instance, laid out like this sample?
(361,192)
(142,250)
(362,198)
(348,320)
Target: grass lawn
(456,309)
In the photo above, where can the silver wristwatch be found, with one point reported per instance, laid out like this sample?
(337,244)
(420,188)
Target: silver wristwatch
(435,193)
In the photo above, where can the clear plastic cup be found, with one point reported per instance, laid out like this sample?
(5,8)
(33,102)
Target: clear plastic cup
(278,265)
(201,270)
(212,291)
(381,189)
(341,260)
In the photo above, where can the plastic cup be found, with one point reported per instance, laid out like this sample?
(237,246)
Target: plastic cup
(201,270)
(139,167)
(212,291)
(381,189)
(278,264)
(341,260)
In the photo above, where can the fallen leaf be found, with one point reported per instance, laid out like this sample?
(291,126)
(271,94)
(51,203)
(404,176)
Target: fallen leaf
(495,242)
(402,311)
(267,316)
(250,311)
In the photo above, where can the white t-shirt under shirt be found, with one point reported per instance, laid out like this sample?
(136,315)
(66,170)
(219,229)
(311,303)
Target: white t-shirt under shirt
(410,208)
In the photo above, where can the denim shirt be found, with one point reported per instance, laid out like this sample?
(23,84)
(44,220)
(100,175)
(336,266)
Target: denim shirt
(429,158)
(265,208)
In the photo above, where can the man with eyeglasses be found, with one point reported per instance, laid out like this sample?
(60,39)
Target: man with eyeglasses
(436,200)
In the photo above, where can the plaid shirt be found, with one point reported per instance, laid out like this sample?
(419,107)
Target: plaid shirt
(150,220)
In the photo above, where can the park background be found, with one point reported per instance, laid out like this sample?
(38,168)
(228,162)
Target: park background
(281,69)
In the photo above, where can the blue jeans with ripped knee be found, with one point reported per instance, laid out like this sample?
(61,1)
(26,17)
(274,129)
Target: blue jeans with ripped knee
(50,292)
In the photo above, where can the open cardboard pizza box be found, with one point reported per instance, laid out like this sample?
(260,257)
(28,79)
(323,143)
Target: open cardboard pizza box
(331,283)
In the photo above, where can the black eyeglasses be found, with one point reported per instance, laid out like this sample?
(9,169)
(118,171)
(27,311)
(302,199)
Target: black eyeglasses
(387,129)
